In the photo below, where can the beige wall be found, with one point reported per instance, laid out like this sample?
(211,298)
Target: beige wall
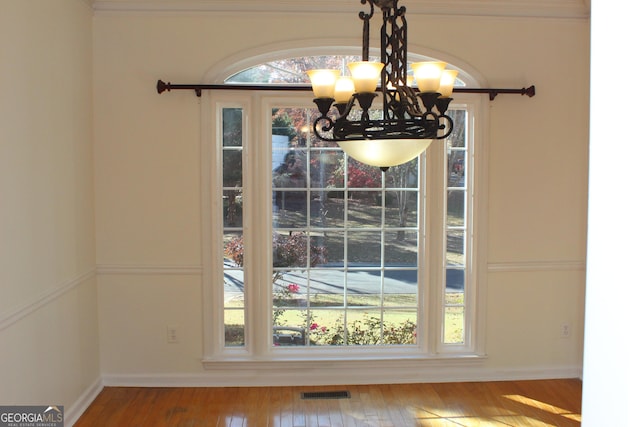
(48,322)
(148,177)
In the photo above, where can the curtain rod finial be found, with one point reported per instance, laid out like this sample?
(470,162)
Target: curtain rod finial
(162,86)
(530,91)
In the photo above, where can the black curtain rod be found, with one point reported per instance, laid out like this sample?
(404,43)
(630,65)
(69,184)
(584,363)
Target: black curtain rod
(198,88)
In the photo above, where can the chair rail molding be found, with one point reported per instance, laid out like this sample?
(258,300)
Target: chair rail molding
(503,267)
(124,269)
(12,316)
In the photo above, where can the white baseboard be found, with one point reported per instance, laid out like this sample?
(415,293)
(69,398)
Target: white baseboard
(73,413)
(267,379)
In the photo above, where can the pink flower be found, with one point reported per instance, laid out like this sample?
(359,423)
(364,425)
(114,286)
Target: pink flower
(313,326)
(293,288)
(323,329)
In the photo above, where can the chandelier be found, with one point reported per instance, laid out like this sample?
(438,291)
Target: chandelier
(408,120)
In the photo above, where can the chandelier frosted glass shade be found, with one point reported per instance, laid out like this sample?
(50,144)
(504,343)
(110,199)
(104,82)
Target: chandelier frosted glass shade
(384,153)
(427,75)
(365,75)
(323,82)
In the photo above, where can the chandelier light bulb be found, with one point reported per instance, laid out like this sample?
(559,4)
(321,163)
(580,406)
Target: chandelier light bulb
(365,75)
(428,75)
(323,82)
(344,89)
(446,82)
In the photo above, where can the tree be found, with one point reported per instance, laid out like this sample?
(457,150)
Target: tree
(401,176)
(282,124)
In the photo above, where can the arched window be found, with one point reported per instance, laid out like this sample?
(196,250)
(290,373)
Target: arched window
(315,255)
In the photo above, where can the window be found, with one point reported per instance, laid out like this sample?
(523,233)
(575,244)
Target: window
(315,254)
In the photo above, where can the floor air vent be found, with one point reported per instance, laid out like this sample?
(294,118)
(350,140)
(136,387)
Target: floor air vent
(325,395)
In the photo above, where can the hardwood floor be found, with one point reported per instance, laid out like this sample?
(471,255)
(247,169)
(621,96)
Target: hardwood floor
(505,403)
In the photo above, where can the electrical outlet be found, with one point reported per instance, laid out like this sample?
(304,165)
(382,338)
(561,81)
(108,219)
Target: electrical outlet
(172,334)
(565,330)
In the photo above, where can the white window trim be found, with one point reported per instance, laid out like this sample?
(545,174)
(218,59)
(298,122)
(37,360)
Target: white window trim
(262,358)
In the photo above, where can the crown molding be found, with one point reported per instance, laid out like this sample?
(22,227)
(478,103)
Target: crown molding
(499,8)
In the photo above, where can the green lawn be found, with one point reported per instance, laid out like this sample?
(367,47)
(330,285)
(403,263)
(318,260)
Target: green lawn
(327,310)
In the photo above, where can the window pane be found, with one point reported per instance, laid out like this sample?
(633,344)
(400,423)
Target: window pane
(234,327)
(403,176)
(455,280)
(457,166)
(232,215)
(456,230)
(291,70)
(363,288)
(455,248)
(290,209)
(454,325)
(232,208)
(233,274)
(291,250)
(287,296)
(456,208)
(401,208)
(401,248)
(328,248)
(363,328)
(327,210)
(326,327)
(400,282)
(326,288)
(325,169)
(232,168)
(232,127)
(364,209)
(289,327)
(360,175)
(291,169)
(454,297)
(400,327)
(458,138)
(363,248)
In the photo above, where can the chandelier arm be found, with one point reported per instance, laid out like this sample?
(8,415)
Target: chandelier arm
(325,128)
(324,104)
(425,127)
(448,126)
